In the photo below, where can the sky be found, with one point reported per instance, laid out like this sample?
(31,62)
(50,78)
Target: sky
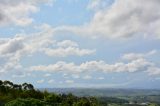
(81,43)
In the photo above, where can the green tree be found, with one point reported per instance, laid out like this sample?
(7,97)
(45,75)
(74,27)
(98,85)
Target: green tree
(26,102)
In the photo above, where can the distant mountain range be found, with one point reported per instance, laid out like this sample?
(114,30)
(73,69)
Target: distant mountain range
(108,92)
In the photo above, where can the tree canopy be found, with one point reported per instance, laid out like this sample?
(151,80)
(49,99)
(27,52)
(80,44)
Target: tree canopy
(26,95)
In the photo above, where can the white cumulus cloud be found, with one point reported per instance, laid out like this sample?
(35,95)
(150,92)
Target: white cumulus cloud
(18,12)
(123,19)
(40,81)
(63,52)
(133,66)
(133,56)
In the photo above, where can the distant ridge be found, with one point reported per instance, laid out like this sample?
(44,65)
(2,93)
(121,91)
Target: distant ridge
(104,91)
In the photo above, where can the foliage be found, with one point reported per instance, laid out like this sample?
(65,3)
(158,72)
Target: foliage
(25,95)
(26,102)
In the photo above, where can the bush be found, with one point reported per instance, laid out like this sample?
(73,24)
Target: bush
(26,102)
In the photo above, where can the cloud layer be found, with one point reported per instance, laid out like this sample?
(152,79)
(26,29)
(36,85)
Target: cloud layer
(63,56)
(135,63)
(123,19)
(13,49)
(18,12)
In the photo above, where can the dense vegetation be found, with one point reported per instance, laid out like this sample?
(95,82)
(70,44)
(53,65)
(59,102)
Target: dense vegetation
(25,95)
